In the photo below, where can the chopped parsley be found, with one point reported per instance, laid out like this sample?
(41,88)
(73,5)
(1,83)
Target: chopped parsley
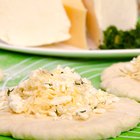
(119,39)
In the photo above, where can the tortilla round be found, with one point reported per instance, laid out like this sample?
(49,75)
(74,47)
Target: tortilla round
(120,116)
(115,83)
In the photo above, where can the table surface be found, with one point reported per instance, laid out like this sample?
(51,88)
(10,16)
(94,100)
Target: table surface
(17,67)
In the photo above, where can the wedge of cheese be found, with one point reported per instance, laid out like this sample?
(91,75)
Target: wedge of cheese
(33,22)
(121,13)
(77,14)
(92,23)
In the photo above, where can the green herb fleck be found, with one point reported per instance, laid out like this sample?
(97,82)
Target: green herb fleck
(49,84)
(79,82)
(57,113)
(9,91)
(83,111)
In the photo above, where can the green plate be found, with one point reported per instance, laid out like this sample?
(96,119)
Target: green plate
(17,67)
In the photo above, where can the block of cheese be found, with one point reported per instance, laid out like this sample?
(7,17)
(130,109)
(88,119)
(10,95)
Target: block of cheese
(77,15)
(121,13)
(33,22)
(92,23)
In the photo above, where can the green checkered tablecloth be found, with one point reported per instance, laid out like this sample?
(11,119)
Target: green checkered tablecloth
(17,67)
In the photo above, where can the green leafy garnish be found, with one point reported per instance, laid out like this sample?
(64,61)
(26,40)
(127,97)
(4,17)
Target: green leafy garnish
(118,39)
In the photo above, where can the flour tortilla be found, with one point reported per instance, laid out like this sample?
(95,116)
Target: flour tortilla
(115,83)
(120,116)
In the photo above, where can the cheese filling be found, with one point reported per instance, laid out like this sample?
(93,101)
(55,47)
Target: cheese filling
(132,69)
(60,93)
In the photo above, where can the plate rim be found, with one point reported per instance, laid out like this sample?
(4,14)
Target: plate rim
(74,53)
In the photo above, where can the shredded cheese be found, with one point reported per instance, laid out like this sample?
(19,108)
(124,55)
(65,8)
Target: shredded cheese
(60,93)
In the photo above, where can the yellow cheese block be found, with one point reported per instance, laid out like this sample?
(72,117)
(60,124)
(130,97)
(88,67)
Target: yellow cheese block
(33,22)
(77,15)
(92,23)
